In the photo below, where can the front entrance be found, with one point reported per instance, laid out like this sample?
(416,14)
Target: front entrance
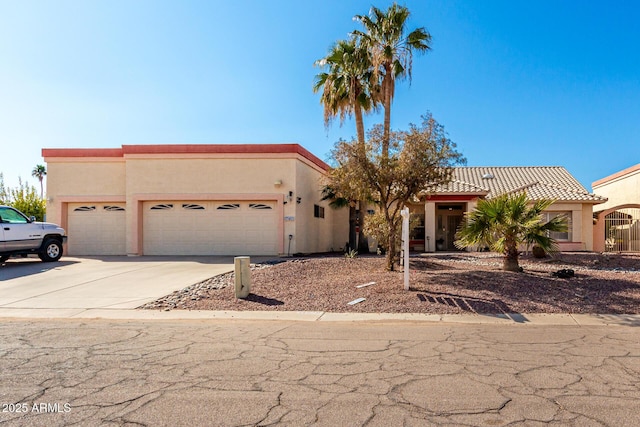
(622,230)
(448,217)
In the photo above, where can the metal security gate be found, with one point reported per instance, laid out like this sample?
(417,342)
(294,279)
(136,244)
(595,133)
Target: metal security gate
(622,230)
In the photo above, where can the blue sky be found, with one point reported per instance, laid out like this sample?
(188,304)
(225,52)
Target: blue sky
(514,82)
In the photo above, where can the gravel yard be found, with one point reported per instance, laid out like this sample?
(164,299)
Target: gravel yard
(441,283)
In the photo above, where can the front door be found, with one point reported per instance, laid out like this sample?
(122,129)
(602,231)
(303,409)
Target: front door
(449,217)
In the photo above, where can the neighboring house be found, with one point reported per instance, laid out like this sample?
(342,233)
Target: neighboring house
(192,200)
(618,220)
(257,199)
(442,209)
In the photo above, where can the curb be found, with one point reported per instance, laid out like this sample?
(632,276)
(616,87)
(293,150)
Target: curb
(319,316)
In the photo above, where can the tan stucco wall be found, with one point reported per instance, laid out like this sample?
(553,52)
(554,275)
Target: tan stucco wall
(139,177)
(315,234)
(169,175)
(620,191)
(72,179)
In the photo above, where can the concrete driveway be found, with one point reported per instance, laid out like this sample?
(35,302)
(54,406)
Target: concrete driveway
(114,282)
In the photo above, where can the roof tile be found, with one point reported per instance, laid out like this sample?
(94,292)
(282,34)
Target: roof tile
(548,182)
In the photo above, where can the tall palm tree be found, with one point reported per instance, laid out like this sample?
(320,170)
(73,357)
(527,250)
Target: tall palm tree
(391,51)
(346,84)
(39,172)
(505,222)
(348,87)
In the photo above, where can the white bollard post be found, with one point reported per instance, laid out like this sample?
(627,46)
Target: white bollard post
(242,266)
(405,245)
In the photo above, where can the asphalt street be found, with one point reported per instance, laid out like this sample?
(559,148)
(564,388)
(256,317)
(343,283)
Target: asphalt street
(242,372)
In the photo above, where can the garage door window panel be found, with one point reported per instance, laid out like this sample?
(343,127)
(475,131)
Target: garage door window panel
(229,206)
(193,207)
(259,206)
(162,207)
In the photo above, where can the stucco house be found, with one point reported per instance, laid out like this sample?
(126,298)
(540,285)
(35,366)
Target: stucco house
(260,199)
(441,209)
(192,200)
(618,220)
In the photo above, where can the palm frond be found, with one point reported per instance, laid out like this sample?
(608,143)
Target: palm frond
(508,220)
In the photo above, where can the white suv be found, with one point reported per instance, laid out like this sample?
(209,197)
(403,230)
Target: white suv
(20,235)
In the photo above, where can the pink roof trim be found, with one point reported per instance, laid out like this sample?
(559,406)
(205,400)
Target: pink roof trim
(616,175)
(186,149)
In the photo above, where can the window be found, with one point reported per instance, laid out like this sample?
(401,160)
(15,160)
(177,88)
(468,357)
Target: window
(566,236)
(162,207)
(11,216)
(85,209)
(113,208)
(259,206)
(318,211)
(192,207)
(229,206)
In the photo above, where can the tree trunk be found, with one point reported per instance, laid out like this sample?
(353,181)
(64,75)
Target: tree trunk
(391,253)
(510,262)
(363,242)
(352,228)
(386,87)
(359,127)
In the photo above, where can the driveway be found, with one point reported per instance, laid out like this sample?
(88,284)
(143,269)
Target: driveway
(114,282)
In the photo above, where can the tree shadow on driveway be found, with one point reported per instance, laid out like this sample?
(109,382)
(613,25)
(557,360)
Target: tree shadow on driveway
(23,267)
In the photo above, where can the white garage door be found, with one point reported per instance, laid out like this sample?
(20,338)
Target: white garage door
(210,228)
(96,229)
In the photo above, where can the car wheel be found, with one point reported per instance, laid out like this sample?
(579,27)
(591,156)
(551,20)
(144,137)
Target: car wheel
(3,258)
(51,251)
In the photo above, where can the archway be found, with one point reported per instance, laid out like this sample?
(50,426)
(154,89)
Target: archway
(618,229)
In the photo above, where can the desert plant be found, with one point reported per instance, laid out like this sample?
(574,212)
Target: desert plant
(507,221)
(351,254)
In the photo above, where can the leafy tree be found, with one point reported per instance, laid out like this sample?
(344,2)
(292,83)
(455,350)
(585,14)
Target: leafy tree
(391,52)
(416,158)
(505,222)
(25,198)
(4,192)
(39,172)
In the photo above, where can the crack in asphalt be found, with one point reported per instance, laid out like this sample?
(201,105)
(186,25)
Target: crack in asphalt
(287,373)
